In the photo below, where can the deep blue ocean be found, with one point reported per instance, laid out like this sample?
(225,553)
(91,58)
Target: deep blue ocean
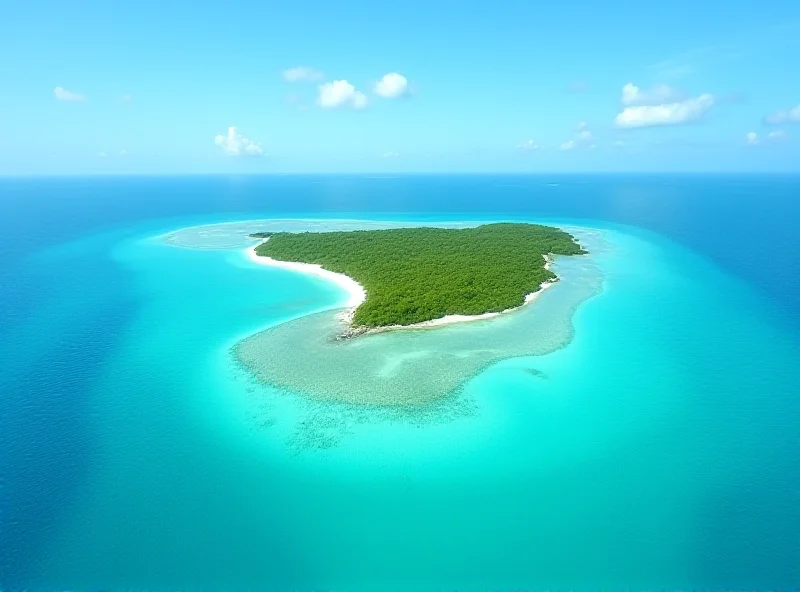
(664,452)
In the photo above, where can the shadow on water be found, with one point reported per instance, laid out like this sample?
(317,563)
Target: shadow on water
(49,364)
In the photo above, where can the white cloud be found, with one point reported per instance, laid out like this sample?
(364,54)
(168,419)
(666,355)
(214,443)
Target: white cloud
(390,155)
(236,144)
(660,94)
(528,146)
(124,152)
(341,93)
(619,144)
(302,74)
(102,154)
(667,114)
(62,94)
(776,136)
(126,99)
(391,86)
(784,116)
(582,138)
(583,134)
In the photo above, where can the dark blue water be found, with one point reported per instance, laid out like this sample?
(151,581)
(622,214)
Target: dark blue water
(745,224)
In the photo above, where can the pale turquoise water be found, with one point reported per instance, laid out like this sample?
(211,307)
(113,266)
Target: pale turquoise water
(616,464)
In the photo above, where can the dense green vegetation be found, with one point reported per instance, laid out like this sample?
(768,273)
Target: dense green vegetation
(418,274)
(261,234)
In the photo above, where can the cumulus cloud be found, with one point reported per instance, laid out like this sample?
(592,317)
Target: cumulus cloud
(582,137)
(391,86)
(62,94)
(675,113)
(235,144)
(528,146)
(660,94)
(784,116)
(341,93)
(390,155)
(302,74)
(752,138)
(583,134)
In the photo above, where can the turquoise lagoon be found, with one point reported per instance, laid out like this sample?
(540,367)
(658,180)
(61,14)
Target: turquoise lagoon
(624,455)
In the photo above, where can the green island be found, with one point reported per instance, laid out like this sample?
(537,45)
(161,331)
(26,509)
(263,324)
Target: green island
(412,275)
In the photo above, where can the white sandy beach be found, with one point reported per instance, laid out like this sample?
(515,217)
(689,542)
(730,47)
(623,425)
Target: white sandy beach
(450,319)
(357,294)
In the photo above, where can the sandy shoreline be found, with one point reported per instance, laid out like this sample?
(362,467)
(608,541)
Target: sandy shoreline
(357,294)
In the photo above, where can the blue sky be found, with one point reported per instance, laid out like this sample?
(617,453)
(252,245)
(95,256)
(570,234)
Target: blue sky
(434,86)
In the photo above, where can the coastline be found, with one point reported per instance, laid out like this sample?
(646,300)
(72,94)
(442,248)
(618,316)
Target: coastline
(355,291)
(357,295)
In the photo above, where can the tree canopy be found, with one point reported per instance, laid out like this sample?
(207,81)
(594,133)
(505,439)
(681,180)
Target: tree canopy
(413,275)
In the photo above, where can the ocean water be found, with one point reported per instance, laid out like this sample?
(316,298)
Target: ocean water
(651,443)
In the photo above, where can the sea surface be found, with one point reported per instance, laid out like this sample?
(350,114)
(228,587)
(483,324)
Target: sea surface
(636,428)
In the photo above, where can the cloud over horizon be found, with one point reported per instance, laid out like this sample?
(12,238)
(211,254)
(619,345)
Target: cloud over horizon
(660,94)
(784,116)
(752,138)
(660,106)
(582,138)
(528,146)
(62,94)
(235,144)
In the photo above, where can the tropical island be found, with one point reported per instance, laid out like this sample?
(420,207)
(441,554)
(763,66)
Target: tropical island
(414,275)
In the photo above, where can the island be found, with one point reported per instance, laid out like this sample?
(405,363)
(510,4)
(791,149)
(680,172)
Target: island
(414,275)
